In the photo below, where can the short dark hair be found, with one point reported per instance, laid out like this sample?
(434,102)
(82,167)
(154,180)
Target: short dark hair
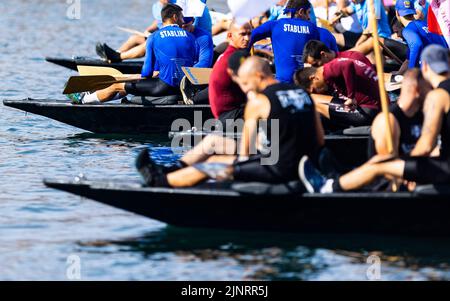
(298,4)
(313,48)
(169,10)
(236,59)
(302,77)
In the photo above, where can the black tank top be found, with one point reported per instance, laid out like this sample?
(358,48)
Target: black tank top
(294,110)
(445,130)
(410,128)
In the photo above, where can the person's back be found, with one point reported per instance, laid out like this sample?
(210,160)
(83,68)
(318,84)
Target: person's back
(418,36)
(354,55)
(169,49)
(289,37)
(293,109)
(205,48)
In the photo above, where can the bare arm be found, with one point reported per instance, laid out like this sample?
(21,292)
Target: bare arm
(434,110)
(257,108)
(152,28)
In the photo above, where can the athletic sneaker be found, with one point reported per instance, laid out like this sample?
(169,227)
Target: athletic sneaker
(111,54)
(310,176)
(76,98)
(151,172)
(100,51)
(187,91)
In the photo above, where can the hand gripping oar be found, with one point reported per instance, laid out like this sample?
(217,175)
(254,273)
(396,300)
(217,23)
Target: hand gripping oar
(77,84)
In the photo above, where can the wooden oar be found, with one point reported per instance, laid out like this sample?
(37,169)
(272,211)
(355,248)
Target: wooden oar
(390,53)
(132,31)
(325,24)
(77,84)
(91,70)
(197,76)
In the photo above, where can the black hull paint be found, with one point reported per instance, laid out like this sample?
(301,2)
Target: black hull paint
(222,208)
(130,67)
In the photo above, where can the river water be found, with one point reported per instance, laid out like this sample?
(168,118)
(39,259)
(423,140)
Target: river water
(41,228)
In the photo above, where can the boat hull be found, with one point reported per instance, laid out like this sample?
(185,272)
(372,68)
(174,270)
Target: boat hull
(223,208)
(130,67)
(113,118)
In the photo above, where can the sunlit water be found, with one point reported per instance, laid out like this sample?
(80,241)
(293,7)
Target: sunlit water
(40,228)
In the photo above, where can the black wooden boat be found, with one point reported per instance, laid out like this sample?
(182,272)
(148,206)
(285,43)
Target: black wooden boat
(113,118)
(128,67)
(259,207)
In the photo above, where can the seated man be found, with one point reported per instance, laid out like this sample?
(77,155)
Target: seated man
(291,121)
(225,96)
(420,167)
(415,32)
(169,49)
(354,84)
(317,54)
(365,42)
(406,117)
(289,37)
(134,47)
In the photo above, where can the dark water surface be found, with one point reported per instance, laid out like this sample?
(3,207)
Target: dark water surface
(40,228)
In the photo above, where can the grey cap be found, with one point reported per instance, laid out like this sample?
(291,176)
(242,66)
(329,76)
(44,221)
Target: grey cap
(436,57)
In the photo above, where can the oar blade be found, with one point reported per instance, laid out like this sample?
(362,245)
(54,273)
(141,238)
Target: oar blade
(77,84)
(91,70)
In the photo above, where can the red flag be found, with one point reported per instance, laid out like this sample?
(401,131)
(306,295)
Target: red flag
(439,18)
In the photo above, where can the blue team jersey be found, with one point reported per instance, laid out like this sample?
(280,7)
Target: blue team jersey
(205,48)
(362,11)
(328,39)
(289,37)
(417,36)
(169,49)
(277,13)
(204,22)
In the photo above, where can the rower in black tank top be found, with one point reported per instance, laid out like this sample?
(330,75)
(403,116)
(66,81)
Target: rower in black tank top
(410,128)
(295,112)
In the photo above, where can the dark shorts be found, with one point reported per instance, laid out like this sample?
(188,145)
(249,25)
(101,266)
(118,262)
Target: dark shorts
(253,171)
(351,38)
(233,115)
(359,117)
(426,170)
(398,48)
(151,87)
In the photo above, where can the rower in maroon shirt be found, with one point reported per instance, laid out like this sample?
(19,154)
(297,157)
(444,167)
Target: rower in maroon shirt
(353,86)
(317,54)
(225,97)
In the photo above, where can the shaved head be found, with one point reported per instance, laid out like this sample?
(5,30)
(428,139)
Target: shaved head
(239,35)
(253,74)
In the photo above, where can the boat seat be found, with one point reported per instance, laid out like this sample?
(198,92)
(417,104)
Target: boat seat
(430,190)
(257,188)
(152,101)
(357,131)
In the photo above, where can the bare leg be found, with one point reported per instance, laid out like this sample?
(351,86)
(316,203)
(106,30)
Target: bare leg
(134,53)
(379,134)
(321,103)
(110,92)
(210,145)
(188,177)
(340,40)
(133,41)
(367,173)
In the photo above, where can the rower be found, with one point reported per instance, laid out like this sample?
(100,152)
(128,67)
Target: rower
(365,41)
(284,106)
(356,99)
(169,49)
(415,32)
(420,167)
(317,54)
(225,96)
(405,118)
(289,37)
(134,47)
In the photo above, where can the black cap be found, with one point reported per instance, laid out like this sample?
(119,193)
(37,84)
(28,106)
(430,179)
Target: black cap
(236,59)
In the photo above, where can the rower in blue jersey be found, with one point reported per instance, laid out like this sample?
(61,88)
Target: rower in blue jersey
(168,49)
(289,36)
(415,33)
(204,41)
